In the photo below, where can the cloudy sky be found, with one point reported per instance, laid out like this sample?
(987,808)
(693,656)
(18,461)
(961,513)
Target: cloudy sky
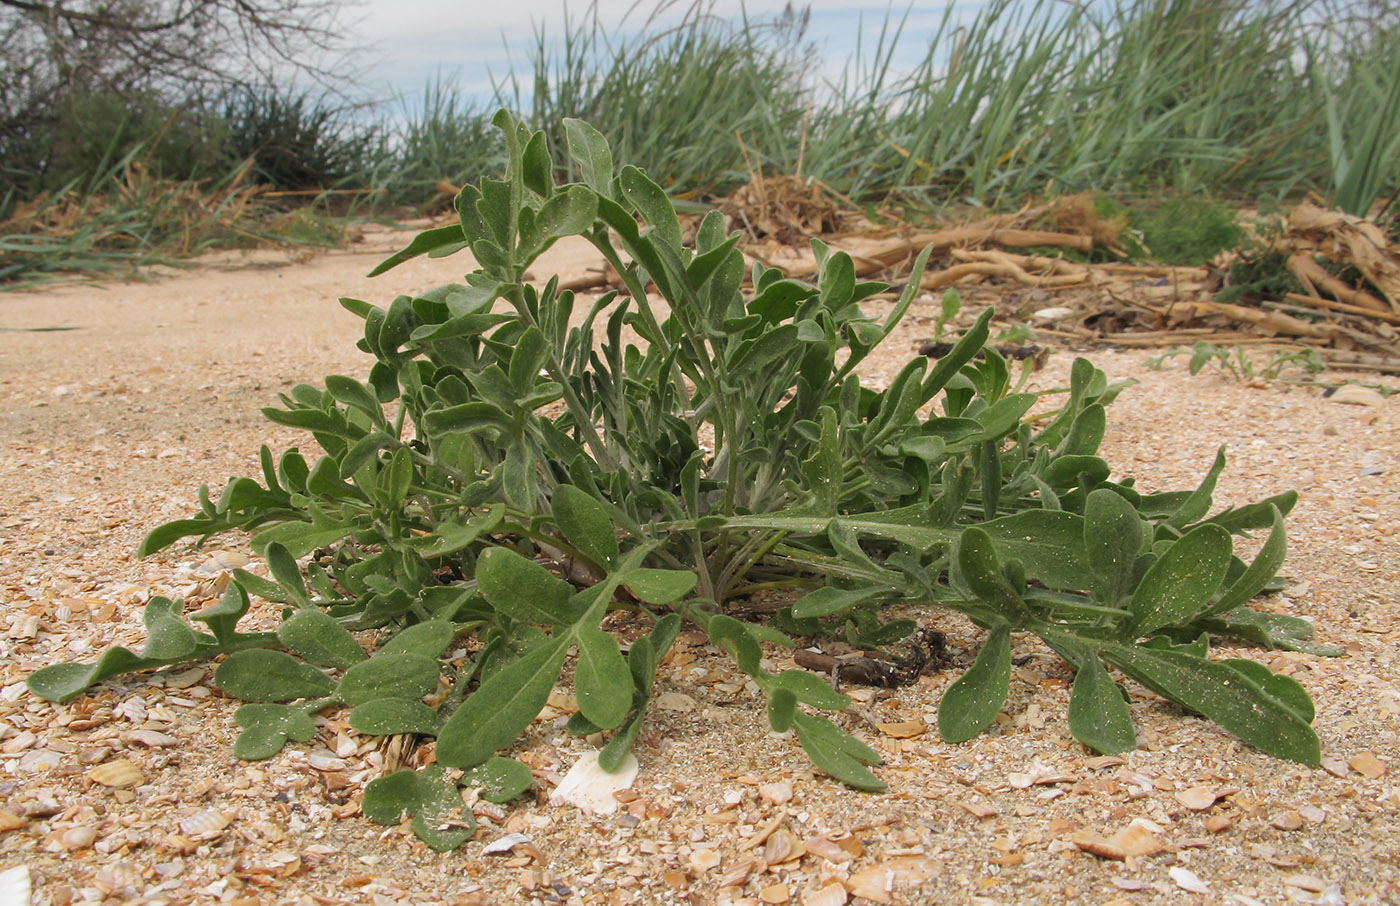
(469,42)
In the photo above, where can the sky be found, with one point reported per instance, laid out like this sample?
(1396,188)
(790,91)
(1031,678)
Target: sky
(469,42)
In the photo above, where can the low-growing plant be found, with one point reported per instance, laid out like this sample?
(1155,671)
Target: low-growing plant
(1238,363)
(514,468)
(1186,231)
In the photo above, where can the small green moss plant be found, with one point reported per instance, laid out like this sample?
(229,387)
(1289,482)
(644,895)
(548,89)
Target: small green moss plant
(734,448)
(1186,231)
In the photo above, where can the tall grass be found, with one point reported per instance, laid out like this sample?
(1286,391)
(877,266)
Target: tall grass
(678,101)
(1247,99)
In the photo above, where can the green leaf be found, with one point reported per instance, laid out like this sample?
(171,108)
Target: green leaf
(651,201)
(615,752)
(222,617)
(1001,418)
(1222,694)
(284,569)
(536,167)
(168,637)
(392,716)
(1285,689)
(299,538)
(837,753)
(523,589)
(319,638)
(1098,716)
(1274,629)
(440,238)
(493,716)
(811,689)
(1179,585)
(1197,503)
(451,537)
(439,819)
(352,393)
(1049,543)
(657,586)
(827,601)
(972,702)
(733,636)
(589,151)
(264,675)
(823,471)
(602,679)
(65,682)
(585,524)
(267,728)
(1255,515)
(499,779)
(1113,536)
(980,567)
(1260,572)
(402,676)
(568,212)
(782,706)
(428,639)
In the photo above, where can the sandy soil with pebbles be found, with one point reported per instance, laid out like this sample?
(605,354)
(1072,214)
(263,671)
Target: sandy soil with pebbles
(131,795)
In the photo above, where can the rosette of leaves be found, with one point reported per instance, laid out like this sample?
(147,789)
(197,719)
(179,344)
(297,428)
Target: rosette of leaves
(516,464)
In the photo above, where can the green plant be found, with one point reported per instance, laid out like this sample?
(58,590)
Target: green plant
(732,449)
(1186,230)
(1360,129)
(1240,364)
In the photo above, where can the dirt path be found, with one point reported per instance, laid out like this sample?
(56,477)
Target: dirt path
(106,430)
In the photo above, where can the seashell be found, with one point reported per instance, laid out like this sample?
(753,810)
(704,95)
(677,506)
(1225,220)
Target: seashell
(1187,880)
(206,824)
(1051,315)
(782,846)
(79,837)
(775,793)
(675,701)
(875,884)
(1356,395)
(151,739)
(833,894)
(14,886)
(590,788)
(503,845)
(828,849)
(702,860)
(1197,799)
(117,774)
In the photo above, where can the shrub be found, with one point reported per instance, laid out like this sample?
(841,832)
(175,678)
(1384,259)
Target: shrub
(734,447)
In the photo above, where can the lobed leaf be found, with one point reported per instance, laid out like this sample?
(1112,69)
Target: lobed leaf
(395,675)
(264,675)
(315,636)
(267,728)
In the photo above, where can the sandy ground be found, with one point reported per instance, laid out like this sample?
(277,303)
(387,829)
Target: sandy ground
(131,795)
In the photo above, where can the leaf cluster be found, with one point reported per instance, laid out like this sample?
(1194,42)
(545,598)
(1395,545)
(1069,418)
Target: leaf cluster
(513,468)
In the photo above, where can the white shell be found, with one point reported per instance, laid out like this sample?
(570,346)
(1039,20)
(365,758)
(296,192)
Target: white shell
(1051,315)
(590,788)
(14,886)
(504,844)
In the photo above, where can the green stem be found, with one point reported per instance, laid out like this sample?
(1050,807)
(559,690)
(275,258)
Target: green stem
(581,416)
